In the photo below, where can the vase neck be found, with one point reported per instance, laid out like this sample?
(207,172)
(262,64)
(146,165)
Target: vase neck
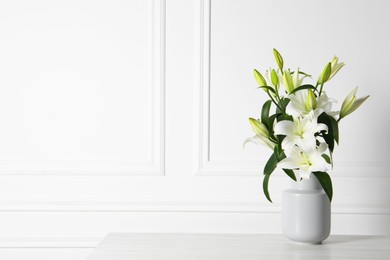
(308,184)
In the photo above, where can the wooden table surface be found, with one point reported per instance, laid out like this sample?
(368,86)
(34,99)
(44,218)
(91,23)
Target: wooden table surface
(126,246)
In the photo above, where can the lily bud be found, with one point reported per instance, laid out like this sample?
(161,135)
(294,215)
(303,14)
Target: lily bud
(274,78)
(260,79)
(325,73)
(288,82)
(279,59)
(336,66)
(350,103)
(259,128)
(311,102)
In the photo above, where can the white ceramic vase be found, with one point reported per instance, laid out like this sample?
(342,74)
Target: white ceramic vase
(306,212)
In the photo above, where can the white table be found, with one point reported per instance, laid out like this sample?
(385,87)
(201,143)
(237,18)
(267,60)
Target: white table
(130,246)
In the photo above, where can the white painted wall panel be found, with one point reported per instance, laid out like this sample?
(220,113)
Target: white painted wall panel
(78,85)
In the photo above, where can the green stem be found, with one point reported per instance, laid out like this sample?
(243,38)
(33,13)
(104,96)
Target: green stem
(316,89)
(273,140)
(273,100)
(322,85)
(277,97)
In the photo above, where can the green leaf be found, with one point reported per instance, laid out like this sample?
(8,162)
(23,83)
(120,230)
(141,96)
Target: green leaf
(330,141)
(284,117)
(278,151)
(326,183)
(265,187)
(327,158)
(335,128)
(290,173)
(280,155)
(265,113)
(283,103)
(302,73)
(280,138)
(331,158)
(330,136)
(267,88)
(305,74)
(271,124)
(306,86)
(270,166)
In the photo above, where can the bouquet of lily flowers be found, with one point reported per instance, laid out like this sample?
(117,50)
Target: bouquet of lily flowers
(297,122)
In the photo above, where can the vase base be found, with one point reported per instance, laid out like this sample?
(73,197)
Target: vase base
(304,243)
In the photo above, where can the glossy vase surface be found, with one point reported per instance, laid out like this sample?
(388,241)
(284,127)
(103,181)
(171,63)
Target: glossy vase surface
(306,212)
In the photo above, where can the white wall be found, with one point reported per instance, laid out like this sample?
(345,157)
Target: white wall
(129,116)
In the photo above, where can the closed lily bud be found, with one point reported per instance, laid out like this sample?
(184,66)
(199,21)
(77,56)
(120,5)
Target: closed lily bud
(274,78)
(325,73)
(259,128)
(260,79)
(311,102)
(288,82)
(279,59)
(350,103)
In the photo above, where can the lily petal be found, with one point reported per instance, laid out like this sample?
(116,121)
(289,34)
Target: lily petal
(289,163)
(284,127)
(259,140)
(322,127)
(304,174)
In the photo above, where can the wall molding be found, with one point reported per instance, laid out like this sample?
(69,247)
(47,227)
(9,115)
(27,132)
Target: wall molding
(180,207)
(202,58)
(155,166)
(207,167)
(250,169)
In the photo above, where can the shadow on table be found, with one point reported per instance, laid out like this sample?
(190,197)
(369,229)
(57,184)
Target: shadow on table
(342,239)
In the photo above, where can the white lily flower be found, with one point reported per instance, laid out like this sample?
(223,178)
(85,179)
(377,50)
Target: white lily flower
(301,103)
(325,103)
(300,132)
(305,162)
